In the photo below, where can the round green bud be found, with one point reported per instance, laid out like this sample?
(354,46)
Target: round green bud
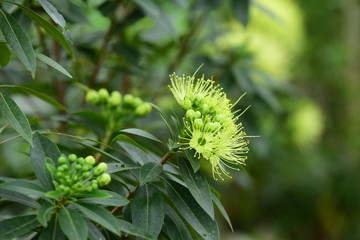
(92,96)
(85,175)
(89,188)
(148,107)
(141,110)
(81,160)
(77,186)
(94,186)
(72,157)
(204,109)
(197,114)
(59,174)
(66,189)
(137,102)
(114,99)
(198,123)
(61,188)
(75,178)
(103,95)
(211,127)
(62,160)
(187,104)
(221,118)
(128,99)
(101,168)
(90,160)
(60,169)
(198,101)
(78,167)
(190,114)
(68,181)
(86,167)
(64,166)
(104,179)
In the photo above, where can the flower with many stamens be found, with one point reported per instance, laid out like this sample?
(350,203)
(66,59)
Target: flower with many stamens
(211,128)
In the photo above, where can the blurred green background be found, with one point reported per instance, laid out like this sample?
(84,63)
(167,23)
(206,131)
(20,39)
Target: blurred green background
(297,60)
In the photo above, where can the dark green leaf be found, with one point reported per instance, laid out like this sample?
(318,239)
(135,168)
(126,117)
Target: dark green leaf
(52,231)
(132,229)
(72,224)
(99,215)
(194,161)
(44,213)
(17,226)
(149,171)
(94,232)
(93,194)
(174,226)
(18,41)
(147,209)
(135,151)
(53,64)
(198,186)
(222,210)
(191,211)
(25,187)
(165,118)
(241,10)
(18,197)
(141,133)
(39,95)
(49,28)
(5,54)
(13,114)
(43,148)
(115,200)
(53,13)
(118,167)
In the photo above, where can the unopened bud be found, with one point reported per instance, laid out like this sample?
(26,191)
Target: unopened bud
(92,96)
(114,99)
(90,160)
(104,179)
(101,168)
(103,95)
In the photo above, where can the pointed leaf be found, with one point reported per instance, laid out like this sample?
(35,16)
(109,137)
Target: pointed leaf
(44,213)
(25,187)
(93,194)
(5,54)
(118,167)
(194,161)
(18,197)
(147,209)
(241,10)
(17,226)
(72,224)
(53,64)
(174,226)
(53,13)
(134,230)
(191,211)
(43,148)
(165,118)
(115,200)
(54,195)
(141,133)
(198,186)
(99,215)
(94,232)
(149,171)
(222,210)
(13,114)
(52,231)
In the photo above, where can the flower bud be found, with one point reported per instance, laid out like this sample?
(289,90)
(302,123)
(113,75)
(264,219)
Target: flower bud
(104,179)
(137,102)
(128,99)
(62,160)
(198,123)
(64,166)
(204,109)
(101,168)
(187,104)
(190,114)
(72,157)
(90,160)
(78,167)
(211,127)
(59,174)
(103,95)
(85,175)
(114,99)
(80,160)
(86,167)
(140,110)
(92,96)
(198,101)
(220,118)
(197,114)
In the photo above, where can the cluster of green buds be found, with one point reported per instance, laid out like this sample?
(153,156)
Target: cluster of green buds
(211,128)
(115,101)
(77,174)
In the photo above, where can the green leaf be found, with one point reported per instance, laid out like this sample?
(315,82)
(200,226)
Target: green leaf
(241,10)
(17,226)
(94,232)
(134,230)
(44,213)
(53,13)
(222,210)
(115,200)
(53,64)
(18,41)
(174,226)
(194,161)
(72,224)
(54,195)
(43,148)
(198,186)
(99,215)
(5,54)
(49,28)
(137,153)
(147,209)
(39,95)
(25,187)
(93,194)
(118,167)
(141,133)
(13,114)
(52,231)
(166,120)
(191,211)
(149,171)
(18,197)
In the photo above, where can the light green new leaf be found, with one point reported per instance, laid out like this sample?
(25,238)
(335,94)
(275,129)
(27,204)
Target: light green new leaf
(5,54)
(72,224)
(99,215)
(13,114)
(17,226)
(147,209)
(18,197)
(18,41)
(44,213)
(134,230)
(53,64)
(149,171)
(53,13)
(198,186)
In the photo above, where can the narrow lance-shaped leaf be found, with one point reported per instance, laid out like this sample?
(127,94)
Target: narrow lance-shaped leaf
(72,224)
(52,231)
(174,226)
(13,114)
(198,186)
(17,226)
(25,187)
(147,209)
(53,64)
(44,213)
(132,229)
(18,197)
(18,41)
(141,133)
(53,13)
(222,210)
(5,54)
(149,171)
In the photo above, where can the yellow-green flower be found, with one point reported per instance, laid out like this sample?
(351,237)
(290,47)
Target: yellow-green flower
(211,128)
